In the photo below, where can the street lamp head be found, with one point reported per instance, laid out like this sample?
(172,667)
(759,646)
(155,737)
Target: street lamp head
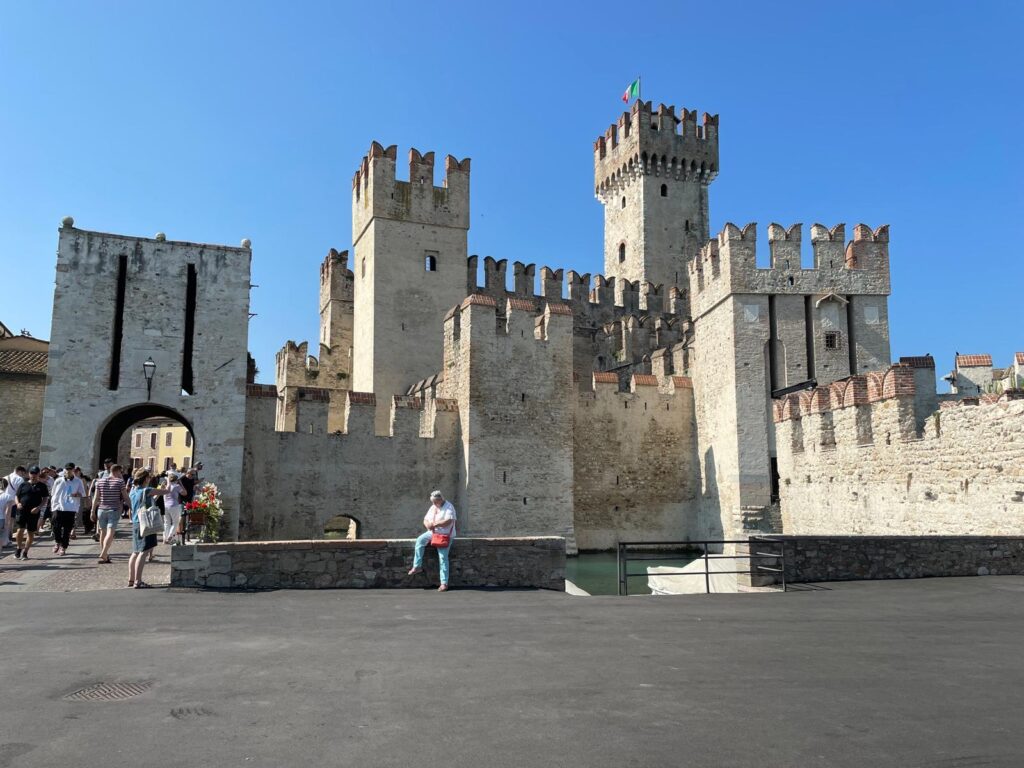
(149,368)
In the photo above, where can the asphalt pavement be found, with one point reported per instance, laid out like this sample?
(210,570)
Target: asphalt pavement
(923,673)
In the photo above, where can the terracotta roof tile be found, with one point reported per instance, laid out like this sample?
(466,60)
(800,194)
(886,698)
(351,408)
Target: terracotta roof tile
(362,398)
(21,361)
(605,377)
(972,361)
(479,298)
(559,309)
(920,361)
(645,380)
(682,382)
(523,305)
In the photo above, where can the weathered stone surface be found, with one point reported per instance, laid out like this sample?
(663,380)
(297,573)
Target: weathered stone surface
(844,558)
(537,563)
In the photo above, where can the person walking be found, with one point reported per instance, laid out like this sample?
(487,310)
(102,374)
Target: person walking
(109,498)
(84,505)
(175,492)
(7,501)
(68,492)
(440,524)
(31,496)
(143,495)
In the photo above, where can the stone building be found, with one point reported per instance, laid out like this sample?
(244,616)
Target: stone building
(160,444)
(641,404)
(22,383)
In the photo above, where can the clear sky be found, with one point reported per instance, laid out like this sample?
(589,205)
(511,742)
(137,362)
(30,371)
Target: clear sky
(215,121)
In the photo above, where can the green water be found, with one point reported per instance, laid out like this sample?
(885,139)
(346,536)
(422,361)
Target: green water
(597,572)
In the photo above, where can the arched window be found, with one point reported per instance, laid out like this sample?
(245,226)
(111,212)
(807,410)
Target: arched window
(622,252)
(664,190)
(430,263)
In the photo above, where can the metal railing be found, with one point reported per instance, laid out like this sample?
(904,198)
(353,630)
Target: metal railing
(647,551)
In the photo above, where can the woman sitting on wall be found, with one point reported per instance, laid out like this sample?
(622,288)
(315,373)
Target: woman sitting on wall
(440,524)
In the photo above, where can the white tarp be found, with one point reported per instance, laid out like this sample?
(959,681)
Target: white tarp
(694,581)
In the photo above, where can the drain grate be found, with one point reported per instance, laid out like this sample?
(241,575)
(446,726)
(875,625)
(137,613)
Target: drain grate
(110,691)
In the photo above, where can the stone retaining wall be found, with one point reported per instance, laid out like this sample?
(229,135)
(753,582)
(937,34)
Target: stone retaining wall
(533,562)
(850,558)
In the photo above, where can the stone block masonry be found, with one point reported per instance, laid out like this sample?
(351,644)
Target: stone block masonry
(535,563)
(852,461)
(850,558)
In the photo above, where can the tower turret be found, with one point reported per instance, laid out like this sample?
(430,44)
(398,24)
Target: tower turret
(651,172)
(409,242)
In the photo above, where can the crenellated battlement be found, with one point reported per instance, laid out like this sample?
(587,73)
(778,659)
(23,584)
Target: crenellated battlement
(727,263)
(585,293)
(852,411)
(644,394)
(376,191)
(336,279)
(655,142)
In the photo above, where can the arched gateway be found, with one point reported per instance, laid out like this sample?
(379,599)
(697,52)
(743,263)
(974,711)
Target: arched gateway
(148,327)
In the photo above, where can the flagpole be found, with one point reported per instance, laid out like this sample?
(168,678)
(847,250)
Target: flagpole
(639,88)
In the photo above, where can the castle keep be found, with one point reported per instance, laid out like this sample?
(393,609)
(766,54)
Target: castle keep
(652,402)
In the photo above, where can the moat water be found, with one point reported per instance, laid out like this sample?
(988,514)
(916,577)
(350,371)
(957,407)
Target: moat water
(597,572)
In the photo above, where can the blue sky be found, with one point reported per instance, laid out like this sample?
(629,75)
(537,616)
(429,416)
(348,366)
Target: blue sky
(217,121)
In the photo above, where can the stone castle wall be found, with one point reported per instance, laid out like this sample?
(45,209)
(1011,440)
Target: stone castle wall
(294,482)
(852,461)
(635,474)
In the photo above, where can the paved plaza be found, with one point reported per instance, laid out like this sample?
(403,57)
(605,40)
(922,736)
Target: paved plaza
(915,673)
(78,570)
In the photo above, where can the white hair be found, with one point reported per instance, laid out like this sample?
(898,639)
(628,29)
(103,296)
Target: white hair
(436,495)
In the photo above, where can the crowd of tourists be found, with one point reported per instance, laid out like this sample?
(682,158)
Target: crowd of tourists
(61,503)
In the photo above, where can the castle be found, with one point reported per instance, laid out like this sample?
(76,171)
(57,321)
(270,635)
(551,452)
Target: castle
(642,404)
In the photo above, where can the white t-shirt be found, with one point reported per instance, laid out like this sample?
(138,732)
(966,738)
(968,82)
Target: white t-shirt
(14,480)
(444,515)
(7,500)
(173,498)
(61,498)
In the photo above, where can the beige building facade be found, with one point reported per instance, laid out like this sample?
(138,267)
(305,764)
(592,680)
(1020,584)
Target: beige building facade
(160,445)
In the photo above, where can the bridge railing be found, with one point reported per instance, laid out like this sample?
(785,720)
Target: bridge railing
(765,556)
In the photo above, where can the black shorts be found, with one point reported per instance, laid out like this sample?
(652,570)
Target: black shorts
(28,521)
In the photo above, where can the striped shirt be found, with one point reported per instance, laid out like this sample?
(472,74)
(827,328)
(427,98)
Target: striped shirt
(109,490)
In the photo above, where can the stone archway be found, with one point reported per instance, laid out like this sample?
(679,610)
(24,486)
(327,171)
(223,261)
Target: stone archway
(110,433)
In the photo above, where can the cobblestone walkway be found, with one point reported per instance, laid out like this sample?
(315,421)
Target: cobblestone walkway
(78,571)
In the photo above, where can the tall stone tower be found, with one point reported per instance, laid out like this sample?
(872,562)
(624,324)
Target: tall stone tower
(651,173)
(757,330)
(409,241)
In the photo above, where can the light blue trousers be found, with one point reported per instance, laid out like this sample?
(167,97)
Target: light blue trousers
(442,554)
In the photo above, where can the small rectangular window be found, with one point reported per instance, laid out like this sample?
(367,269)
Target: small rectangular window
(186,462)
(152,441)
(168,438)
(188,439)
(138,440)
(832,340)
(167,463)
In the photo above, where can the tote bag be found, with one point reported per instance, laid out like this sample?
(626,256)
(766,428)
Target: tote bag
(150,521)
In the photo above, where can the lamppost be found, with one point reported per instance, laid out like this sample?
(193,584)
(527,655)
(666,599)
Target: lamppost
(148,369)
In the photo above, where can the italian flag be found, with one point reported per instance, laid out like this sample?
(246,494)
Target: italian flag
(632,92)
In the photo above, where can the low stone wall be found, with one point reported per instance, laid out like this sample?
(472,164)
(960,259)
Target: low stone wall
(534,562)
(850,558)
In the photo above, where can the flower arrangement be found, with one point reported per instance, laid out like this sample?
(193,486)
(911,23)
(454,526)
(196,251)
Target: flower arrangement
(207,506)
